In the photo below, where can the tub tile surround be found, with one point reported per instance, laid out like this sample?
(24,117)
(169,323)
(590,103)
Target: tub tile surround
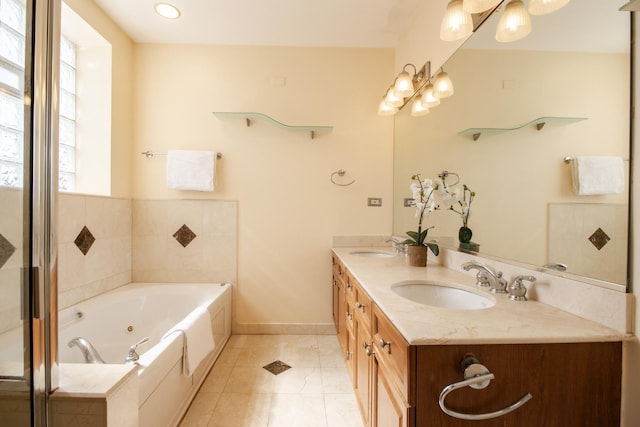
(10,257)
(86,270)
(134,242)
(591,238)
(184,241)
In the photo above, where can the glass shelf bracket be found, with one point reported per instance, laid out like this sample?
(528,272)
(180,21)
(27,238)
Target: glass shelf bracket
(539,123)
(248,117)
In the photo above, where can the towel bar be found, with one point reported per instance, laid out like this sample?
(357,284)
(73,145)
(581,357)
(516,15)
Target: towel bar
(149,154)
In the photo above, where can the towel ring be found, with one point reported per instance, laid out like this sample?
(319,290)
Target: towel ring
(340,172)
(476,376)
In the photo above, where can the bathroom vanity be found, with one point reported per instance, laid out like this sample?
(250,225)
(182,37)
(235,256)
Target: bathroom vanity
(406,359)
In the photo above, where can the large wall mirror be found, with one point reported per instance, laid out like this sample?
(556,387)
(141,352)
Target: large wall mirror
(574,70)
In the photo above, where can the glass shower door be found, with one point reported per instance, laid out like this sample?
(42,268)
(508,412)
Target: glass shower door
(27,238)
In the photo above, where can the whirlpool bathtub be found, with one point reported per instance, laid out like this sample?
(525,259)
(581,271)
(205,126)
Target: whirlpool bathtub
(114,321)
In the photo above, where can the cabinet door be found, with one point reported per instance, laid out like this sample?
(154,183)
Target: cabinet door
(362,380)
(388,407)
(573,384)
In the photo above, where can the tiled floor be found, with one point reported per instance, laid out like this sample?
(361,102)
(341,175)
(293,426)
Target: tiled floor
(315,392)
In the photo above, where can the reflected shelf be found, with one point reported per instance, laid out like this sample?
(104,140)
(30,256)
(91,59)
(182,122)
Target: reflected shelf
(248,117)
(539,123)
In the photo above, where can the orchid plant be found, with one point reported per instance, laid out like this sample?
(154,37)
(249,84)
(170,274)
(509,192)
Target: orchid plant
(457,201)
(423,200)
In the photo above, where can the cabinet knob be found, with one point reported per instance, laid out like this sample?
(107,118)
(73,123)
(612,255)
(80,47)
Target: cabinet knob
(384,344)
(367,348)
(349,315)
(348,354)
(360,306)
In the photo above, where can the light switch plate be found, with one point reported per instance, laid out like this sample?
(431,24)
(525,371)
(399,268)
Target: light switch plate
(374,201)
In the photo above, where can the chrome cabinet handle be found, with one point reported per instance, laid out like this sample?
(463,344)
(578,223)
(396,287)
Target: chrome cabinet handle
(367,349)
(359,305)
(470,382)
(384,344)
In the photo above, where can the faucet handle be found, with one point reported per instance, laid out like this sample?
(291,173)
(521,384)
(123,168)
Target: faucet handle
(517,289)
(482,280)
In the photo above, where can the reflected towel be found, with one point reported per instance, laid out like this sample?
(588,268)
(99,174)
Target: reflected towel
(598,175)
(197,340)
(191,170)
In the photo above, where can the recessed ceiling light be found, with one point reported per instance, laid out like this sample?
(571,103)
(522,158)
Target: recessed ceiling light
(167,10)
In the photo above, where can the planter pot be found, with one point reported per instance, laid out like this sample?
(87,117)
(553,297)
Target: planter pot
(465,234)
(417,256)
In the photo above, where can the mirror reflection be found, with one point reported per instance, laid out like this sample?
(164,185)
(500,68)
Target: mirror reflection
(573,72)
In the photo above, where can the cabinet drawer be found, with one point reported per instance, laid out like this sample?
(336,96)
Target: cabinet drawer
(395,354)
(362,304)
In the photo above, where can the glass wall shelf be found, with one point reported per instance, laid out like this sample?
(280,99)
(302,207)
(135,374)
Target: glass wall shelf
(539,123)
(313,130)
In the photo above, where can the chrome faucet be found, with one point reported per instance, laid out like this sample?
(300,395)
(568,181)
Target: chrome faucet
(88,351)
(486,277)
(399,246)
(133,356)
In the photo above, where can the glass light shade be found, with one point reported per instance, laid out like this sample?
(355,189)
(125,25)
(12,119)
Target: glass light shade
(385,109)
(542,7)
(392,99)
(429,97)
(443,85)
(403,86)
(418,108)
(514,24)
(456,23)
(479,6)
(167,10)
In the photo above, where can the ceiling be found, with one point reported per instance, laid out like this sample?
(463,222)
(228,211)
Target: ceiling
(340,23)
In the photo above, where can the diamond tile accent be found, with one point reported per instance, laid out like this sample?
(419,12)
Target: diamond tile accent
(6,250)
(184,235)
(599,238)
(277,367)
(85,240)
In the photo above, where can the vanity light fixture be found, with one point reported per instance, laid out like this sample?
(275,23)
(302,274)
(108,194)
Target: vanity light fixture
(404,84)
(456,23)
(429,97)
(167,10)
(384,109)
(514,24)
(443,85)
(542,7)
(418,108)
(423,100)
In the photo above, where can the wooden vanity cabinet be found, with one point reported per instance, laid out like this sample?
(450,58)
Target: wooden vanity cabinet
(398,385)
(340,302)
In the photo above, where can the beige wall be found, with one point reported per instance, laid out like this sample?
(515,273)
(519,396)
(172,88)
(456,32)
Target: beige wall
(122,117)
(288,210)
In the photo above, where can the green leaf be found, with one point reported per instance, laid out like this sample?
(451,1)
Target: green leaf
(434,248)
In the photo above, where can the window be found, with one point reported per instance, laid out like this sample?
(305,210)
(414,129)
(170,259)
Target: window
(12,51)
(67,123)
(12,40)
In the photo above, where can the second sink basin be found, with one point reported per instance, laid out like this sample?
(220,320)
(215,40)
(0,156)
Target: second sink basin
(443,295)
(372,254)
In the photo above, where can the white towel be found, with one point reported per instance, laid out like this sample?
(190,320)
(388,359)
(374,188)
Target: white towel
(598,175)
(197,340)
(191,170)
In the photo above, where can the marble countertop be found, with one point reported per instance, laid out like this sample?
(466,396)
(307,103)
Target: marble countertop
(513,322)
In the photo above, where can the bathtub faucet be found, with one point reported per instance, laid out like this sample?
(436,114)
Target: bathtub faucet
(132,356)
(88,351)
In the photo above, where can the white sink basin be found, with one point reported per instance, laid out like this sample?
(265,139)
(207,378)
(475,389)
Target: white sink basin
(372,254)
(443,295)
